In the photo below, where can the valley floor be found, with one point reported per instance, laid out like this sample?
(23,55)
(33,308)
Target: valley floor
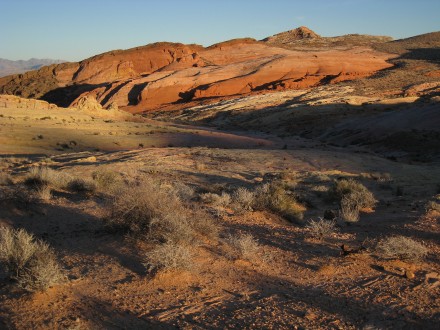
(296,279)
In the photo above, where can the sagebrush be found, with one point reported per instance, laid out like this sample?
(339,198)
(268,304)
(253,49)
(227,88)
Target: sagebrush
(29,261)
(401,247)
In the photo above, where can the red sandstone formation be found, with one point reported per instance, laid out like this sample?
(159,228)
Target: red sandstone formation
(162,74)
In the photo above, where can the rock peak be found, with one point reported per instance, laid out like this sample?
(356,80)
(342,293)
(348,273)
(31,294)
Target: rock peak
(299,33)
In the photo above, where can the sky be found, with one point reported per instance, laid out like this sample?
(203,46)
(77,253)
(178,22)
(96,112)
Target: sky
(73,30)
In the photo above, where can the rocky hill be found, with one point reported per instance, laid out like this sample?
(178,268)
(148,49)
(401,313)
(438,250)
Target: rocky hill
(165,75)
(303,38)
(8,67)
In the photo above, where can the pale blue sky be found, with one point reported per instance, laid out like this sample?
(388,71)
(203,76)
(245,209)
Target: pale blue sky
(77,29)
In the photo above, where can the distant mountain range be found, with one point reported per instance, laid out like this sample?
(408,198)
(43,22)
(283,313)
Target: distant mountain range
(8,67)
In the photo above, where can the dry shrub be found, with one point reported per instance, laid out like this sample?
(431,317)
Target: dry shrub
(244,246)
(156,211)
(5,179)
(401,247)
(170,256)
(243,199)
(107,181)
(322,228)
(44,193)
(31,262)
(432,206)
(349,211)
(81,185)
(352,197)
(44,176)
(354,191)
(216,200)
(276,197)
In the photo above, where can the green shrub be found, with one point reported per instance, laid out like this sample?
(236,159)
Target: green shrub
(276,197)
(354,191)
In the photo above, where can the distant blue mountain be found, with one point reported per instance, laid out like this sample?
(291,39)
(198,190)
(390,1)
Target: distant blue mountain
(8,67)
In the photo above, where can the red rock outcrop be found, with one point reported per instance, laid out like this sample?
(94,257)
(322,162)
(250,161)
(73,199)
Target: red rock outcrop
(164,74)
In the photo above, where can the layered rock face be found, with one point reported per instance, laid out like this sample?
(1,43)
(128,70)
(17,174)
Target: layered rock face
(163,75)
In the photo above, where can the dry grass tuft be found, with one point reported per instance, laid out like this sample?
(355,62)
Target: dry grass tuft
(401,247)
(5,179)
(355,191)
(352,197)
(432,206)
(44,193)
(81,185)
(107,181)
(277,198)
(244,246)
(322,228)
(170,256)
(216,200)
(155,211)
(243,199)
(44,176)
(32,263)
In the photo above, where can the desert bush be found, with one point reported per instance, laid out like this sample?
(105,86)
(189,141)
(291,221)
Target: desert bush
(432,206)
(157,212)
(243,199)
(275,197)
(350,206)
(5,179)
(81,185)
(44,176)
(322,228)
(184,192)
(356,190)
(401,247)
(32,263)
(106,180)
(216,200)
(170,256)
(44,193)
(243,246)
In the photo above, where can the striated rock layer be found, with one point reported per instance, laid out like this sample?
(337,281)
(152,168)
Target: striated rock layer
(164,75)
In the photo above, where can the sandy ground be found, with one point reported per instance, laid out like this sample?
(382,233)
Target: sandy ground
(297,282)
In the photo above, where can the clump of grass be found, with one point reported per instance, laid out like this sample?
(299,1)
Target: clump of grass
(354,191)
(170,256)
(152,210)
(401,247)
(216,200)
(277,198)
(243,199)
(106,180)
(44,193)
(243,246)
(322,228)
(5,179)
(44,176)
(81,185)
(352,197)
(432,206)
(30,262)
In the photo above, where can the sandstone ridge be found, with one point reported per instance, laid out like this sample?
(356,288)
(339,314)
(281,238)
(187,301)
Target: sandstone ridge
(164,75)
